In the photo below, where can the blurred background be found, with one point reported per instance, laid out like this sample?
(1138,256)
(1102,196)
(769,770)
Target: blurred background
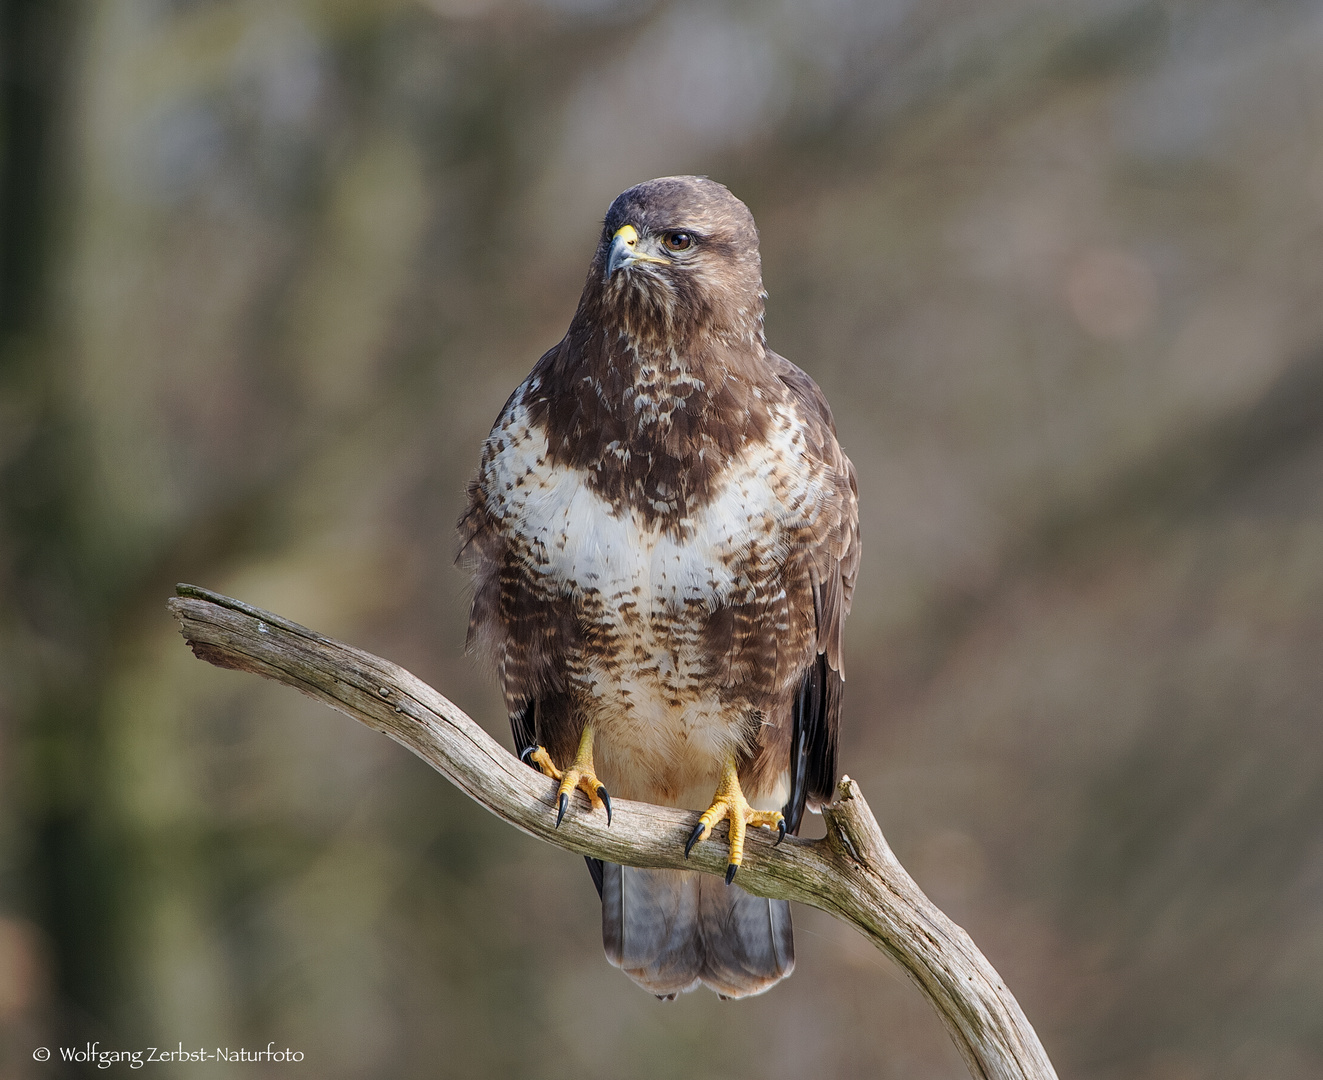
(271,267)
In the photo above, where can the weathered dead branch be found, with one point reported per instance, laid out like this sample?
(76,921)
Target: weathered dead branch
(850,873)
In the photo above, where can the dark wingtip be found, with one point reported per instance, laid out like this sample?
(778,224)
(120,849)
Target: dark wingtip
(730,872)
(606,798)
(693,839)
(564,805)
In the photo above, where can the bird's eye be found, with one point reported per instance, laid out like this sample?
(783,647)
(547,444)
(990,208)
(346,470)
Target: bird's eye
(678,241)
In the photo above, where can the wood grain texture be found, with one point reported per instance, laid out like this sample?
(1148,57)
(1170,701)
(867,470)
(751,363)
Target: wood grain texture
(851,873)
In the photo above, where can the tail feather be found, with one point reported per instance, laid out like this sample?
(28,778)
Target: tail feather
(750,946)
(672,930)
(648,923)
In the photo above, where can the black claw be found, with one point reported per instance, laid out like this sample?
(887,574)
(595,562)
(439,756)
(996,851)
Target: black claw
(527,755)
(780,830)
(693,839)
(564,805)
(601,794)
(730,872)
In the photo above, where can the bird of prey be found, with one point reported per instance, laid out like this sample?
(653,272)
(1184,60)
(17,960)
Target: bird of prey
(663,535)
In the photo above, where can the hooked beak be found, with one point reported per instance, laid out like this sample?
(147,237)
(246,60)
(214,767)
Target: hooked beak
(626,250)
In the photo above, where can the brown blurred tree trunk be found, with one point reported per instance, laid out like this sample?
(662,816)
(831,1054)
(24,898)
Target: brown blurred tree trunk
(52,596)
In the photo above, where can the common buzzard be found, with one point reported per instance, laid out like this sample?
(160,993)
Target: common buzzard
(664,538)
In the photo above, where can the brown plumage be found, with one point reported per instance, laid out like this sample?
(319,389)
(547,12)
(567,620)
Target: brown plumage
(663,536)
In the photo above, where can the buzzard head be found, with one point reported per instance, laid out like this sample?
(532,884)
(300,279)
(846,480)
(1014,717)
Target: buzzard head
(678,257)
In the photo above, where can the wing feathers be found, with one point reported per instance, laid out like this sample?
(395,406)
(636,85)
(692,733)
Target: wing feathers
(833,557)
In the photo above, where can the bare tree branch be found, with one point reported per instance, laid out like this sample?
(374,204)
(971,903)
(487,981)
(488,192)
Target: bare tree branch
(850,873)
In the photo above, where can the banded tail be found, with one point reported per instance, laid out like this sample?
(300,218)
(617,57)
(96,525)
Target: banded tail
(670,930)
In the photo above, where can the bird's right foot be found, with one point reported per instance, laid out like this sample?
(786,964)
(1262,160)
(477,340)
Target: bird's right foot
(579,775)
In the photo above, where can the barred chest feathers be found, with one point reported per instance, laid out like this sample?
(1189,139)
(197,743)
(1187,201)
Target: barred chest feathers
(647,583)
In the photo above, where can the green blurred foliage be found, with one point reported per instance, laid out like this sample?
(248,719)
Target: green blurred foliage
(269,269)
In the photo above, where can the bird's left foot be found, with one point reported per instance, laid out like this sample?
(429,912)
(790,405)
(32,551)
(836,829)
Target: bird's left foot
(729,803)
(579,775)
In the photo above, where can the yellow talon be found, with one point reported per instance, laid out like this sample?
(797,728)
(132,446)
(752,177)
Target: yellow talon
(729,803)
(579,775)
